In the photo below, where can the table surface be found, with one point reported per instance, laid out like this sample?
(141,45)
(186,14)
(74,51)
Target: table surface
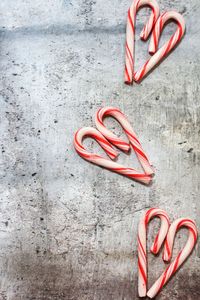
(68,228)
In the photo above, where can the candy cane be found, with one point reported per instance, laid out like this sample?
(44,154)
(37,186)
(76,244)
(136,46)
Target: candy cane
(101,161)
(130,33)
(167,47)
(142,237)
(118,142)
(181,257)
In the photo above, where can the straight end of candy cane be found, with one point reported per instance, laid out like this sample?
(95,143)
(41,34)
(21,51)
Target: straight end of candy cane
(156,288)
(128,82)
(153,291)
(124,147)
(142,294)
(146,180)
(166,256)
(152,47)
(113,155)
(128,76)
(148,169)
(142,288)
(139,75)
(155,248)
(143,36)
(152,51)
(150,296)
(166,259)
(137,78)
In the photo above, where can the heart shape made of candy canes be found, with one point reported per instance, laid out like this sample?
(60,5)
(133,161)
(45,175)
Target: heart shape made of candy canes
(104,162)
(167,235)
(142,244)
(154,25)
(106,139)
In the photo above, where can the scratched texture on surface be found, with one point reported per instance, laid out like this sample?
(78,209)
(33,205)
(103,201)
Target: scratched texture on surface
(68,228)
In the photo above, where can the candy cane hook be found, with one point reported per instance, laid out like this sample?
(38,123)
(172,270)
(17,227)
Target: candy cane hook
(181,257)
(101,161)
(130,33)
(167,47)
(118,142)
(142,244)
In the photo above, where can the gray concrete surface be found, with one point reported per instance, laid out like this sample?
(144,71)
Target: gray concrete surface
(68,228)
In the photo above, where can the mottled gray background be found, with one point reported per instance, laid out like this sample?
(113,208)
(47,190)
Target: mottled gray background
(68,228)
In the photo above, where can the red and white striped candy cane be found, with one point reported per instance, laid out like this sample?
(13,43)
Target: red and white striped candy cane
(118,142)
(159,54)
(142,244)
(181,257)
(130,33)
(101,161)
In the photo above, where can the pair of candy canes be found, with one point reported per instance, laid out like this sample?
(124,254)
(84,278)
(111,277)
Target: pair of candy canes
(165,235)
(155,25)
(106,139)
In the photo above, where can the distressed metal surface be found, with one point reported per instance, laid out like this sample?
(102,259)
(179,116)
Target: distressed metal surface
(68,228)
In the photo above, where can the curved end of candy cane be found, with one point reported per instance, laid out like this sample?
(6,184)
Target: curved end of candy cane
(187,222)
(160,237)
(166,16)
(95,134)
(111,137)
(183,25)
(177,17)
(144,35)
